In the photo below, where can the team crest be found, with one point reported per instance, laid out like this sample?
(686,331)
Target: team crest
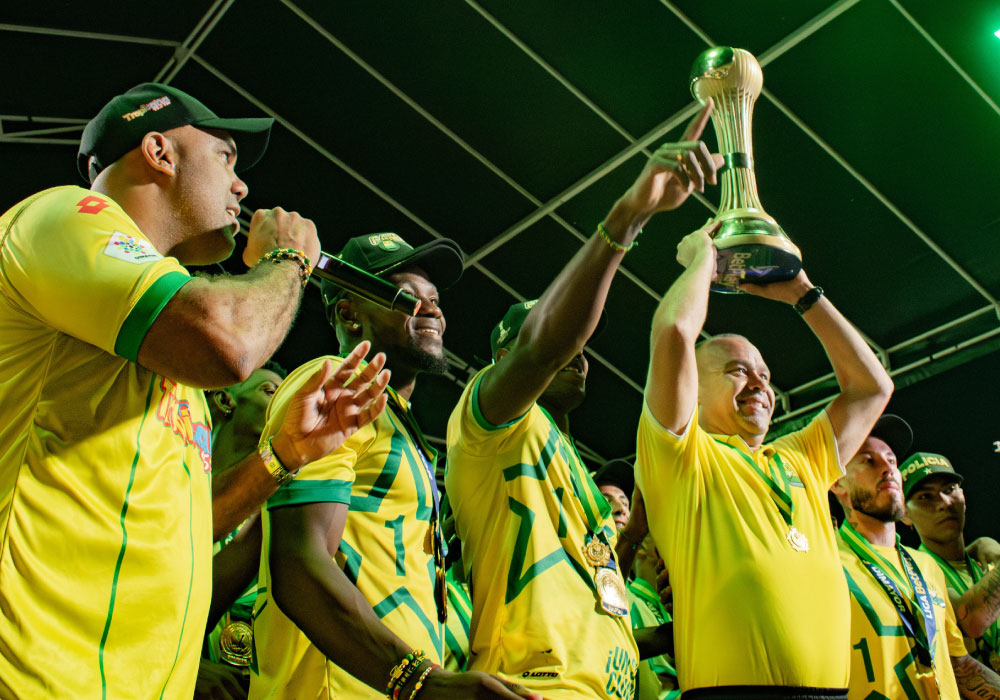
(386,241)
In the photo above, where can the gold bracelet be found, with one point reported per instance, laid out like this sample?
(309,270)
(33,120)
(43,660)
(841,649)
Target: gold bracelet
(273,465)
(615,245)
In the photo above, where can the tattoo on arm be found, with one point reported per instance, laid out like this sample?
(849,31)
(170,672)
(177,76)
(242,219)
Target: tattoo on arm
(981,601)
(974,680)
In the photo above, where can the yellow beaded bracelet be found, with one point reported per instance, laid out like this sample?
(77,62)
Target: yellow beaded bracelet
(297,256)
(421,679)
(615,245)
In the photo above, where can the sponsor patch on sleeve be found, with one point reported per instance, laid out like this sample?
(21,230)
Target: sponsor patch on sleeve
(131,249)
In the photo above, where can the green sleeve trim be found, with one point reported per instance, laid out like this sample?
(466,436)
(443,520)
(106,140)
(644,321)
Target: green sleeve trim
(297,493)
(478,415)
(145,311)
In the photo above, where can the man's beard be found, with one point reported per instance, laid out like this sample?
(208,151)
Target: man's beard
(422,359)
(863,501)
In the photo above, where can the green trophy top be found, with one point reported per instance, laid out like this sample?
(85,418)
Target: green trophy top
(712,61)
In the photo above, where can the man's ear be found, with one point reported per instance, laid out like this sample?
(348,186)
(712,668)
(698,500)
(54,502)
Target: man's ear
(839,491)
(159,152)
(222,401)
(346,317)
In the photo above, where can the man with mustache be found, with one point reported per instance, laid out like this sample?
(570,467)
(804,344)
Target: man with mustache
(904,639)
(743,526)
(935,507)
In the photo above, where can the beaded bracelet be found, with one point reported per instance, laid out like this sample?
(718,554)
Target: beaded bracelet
(402,671)
(279,254)
(421,679)
(615,245)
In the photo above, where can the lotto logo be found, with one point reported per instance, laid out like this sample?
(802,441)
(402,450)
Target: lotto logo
(91,205)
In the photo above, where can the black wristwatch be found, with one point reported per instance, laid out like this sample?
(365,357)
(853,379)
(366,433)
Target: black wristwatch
(808,299)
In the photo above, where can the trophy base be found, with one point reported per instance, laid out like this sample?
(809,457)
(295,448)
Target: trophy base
(754,258)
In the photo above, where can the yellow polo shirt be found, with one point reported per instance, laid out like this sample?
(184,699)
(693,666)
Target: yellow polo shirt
(764,613)
(105,505)
(536,618)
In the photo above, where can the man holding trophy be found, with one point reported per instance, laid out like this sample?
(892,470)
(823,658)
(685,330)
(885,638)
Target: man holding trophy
(744,527)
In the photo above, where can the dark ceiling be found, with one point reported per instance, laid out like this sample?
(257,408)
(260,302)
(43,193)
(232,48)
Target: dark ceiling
(513,126)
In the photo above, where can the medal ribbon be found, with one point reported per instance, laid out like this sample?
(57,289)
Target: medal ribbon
(991,638)
(428,456)
(781,487)
(921,636)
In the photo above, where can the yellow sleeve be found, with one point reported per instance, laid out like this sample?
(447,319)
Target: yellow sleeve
(329,479)
(477,436)
(956,641)
(660,453)
(817,442)
(77,263)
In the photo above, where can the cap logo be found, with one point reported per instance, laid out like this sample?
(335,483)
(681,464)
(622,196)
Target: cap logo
(530,304)
(154,105)
(503,333)
(925,461)
(386,241)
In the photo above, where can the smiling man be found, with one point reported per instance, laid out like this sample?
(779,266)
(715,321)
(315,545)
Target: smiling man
(905,642)
(935,506)
(744,526)
(354,556)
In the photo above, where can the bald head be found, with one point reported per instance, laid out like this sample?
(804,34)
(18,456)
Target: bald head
(734,388)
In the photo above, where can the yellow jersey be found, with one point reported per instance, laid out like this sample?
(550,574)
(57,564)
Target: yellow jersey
(523,504)
(743,597)
(647,611)
(384,550)
(882,666)
(105,505)
(456,633)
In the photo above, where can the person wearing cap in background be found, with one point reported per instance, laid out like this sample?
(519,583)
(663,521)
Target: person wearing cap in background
(549,601)
(105,443)
(352,586)
(935,507)
(905,642)
(656,678)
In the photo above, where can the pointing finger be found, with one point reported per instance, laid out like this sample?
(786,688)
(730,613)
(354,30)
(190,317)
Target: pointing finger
(697,125)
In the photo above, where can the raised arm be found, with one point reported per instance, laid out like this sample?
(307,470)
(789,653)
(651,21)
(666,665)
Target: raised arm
(216,330)
(865,387)
(978,607)
(566,314)
(672,382)
(322,414)
(975,681)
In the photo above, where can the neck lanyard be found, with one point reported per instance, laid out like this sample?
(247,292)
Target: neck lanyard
(882,570)
(992,635)
(780,485)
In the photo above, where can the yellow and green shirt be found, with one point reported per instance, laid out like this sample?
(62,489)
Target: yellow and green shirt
(105,506)
(385,549)
(742,596)
(523,502)
(456,633)
(882,666)
(657,678)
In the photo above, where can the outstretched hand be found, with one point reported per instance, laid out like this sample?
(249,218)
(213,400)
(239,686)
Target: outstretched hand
(330,407)
(675,170)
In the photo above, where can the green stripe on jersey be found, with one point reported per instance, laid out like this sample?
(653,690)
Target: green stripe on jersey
(145,311)
(121,553)
(297,493)
(478,415)
(187,603)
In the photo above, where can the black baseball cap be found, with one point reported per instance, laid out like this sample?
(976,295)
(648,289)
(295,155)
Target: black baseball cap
(126,119)
(617,472)
(503,333)
(383,253)
(894,432)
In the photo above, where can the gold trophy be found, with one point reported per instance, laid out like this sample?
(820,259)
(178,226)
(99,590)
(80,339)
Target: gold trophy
(751,245)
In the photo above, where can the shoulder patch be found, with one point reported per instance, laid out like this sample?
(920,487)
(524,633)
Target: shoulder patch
(130,249)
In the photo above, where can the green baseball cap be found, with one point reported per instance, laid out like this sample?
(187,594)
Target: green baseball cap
(123,122)
(503,333)
(922,465)
(382,253)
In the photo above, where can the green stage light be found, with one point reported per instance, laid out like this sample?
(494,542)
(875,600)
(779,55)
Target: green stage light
(997,34)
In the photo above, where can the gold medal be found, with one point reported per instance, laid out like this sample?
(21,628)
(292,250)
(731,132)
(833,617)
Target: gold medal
(798,541)
(596,553)
(611,589)
(236,643)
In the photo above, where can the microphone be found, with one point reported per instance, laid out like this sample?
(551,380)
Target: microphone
(365,285)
